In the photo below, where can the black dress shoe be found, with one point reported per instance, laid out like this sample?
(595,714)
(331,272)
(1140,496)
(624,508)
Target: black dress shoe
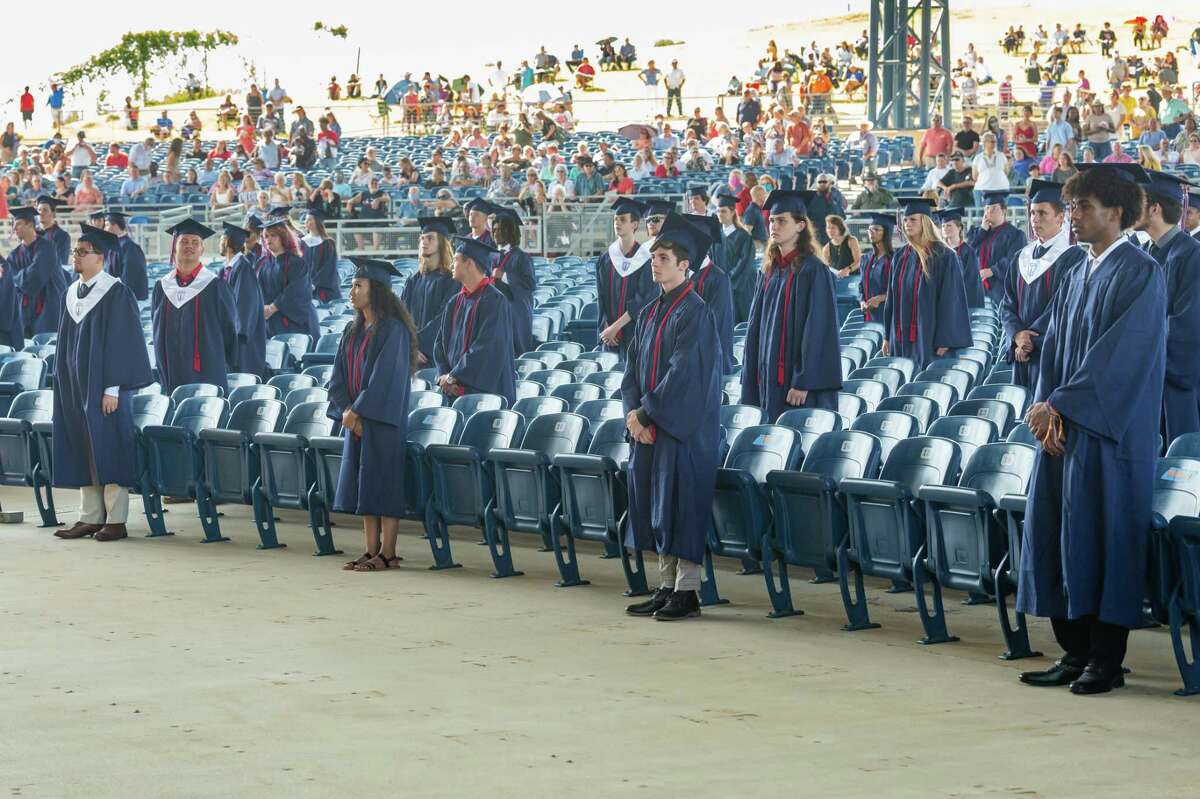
(1061,673)
(1098,679)
(681,605)
(651,605)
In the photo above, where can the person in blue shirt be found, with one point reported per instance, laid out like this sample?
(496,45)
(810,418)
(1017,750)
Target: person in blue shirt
(55,101)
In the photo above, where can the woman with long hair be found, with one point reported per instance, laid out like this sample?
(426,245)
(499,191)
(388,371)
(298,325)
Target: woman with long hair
(222,194)
(427,290)
(320,253)
(736,256)
(286,284)
(513,274)
(792,358)
(875,266)
(950,222)
(368,395)
(926,308)
(842,252)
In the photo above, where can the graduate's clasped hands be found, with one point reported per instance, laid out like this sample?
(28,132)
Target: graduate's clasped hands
(352,422)
(1046,424)
(643,434)
(1023,345)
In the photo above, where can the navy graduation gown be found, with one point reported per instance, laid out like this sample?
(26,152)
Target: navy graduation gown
(41,283)
(12,328)
(941,318)
(1088,514)
(992,249)
(792,341)
(754,219)
(286,284)
(1181,257)
(486,238)
(1027,307)
(251,354)
(972,283)
(426,295)
(620,295)
(712,284)
(195,342)
(103,349)
(736,256)
(514,277)
(875,270)
(673,374)
(129,264)
(61,240)
(322,262)
(371,377)
(474,345)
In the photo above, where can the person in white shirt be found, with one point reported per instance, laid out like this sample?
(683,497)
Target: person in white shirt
(780,154)
(82,156)
(937,171)
(139,154)
(561,182)
(990,168)
(498,80)
(277,96)
(667,139)
(674,82)
(268,150)
(695,159)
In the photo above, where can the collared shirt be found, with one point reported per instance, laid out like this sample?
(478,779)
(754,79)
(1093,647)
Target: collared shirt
(1095,260)
(1163,242)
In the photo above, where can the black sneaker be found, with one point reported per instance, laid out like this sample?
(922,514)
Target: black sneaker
(653,604)
(682,605)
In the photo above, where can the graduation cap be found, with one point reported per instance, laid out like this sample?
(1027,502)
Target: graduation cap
(1045,191)
(1131,173)
(995,196)
(781,201)
(1165,186)
(885,221)
(280,210)
(279,222)
(190,227)
(97,215)
(504,212)
(237,236)
(477,251)
(101,239)
(709,224)
(913,205)
(698,190)
(476,204)
(659,207)
(437,224)
(374,269)
(624,205)
(726,201)
(119,218)
(315,210)
(676,229)
(46,199)
(24,212)
(951,214)
(254,224)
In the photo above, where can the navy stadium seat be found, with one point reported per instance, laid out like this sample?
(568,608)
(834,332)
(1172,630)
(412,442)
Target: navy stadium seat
(810,423)
(891,378)
(426,426)
(872,392)
(600,410)
(469,404)
(236,379)
(889,427)
(569,349)
(173,456)
(424,399)
(287,471)
(609,381)
(528,388)
(321,373)
(942,394)
(1021,434)
(252,391)
(969,432)
(551,378)
(19,452)
(291,382)
(536,406)
(952,376)
(296,344)
(906,366)
(998,412)
(298,396)
(581,368)
(1174,575)
(577,393)
(736,418)
(608,360)
(850,407)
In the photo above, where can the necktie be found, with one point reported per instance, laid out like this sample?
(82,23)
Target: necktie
(1039,250)
(1155,251)
(82,290)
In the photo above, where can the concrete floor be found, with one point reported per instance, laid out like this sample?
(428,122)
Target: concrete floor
(164,668)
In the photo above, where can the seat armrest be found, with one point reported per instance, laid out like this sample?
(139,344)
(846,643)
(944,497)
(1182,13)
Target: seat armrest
(809,483)
(453,453)
(527,458)
(875,489)
(954,496)
(590,464)
(1013,503)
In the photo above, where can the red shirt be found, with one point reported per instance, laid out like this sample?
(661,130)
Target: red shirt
(661,172)
(328,134)
(27,102)
(623,186)
(799,136)
(938,140)
(585,69)
(120,160)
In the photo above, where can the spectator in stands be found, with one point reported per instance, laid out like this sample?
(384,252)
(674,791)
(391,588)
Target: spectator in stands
(842,252)
(116,158)
(749,110)
(825,200)
(695,159)
(780,154)
(865,143)
(668,168)
(588,185)
(223,194)
(302,122)
(957,184)
(666,139)
(504,185)
(134,186)
(966,140)
(370,206)
(585,74)
(248,195)
(327,200)
(873,197)
(989,169)
(304,150)
(931,188)
(626,55)
(936,140)
(139,154)
(1191,153)
(619,181)
(87,194)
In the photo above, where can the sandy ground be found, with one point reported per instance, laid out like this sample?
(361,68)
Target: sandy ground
(167,668)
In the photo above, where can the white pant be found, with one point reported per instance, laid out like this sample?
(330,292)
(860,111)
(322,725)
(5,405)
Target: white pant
(104,504)
(682,574)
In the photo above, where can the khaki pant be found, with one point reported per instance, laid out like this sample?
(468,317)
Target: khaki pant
(682,574)
(107,504)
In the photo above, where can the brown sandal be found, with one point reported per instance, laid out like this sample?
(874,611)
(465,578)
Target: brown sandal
(351,565)
(377,564)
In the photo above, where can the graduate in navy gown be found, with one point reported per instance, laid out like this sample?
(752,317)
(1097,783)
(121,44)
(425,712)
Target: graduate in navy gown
(1179,254)
(1036,274)
(238,274)
(286,284)
(368,395)
(736,255)
(654,213)
(926,307)
(993,242)
(513,274)
(195,323)
(712,284)
(47,208)
(427,291)
(12,328)
(477,221)
(101,362)
(792,357)
(875,266)
(671,395)
(320,253)
(623,280)
(473,353)
(1191,214)
(37,275)
(1096,414)
(950,222)
(128,262)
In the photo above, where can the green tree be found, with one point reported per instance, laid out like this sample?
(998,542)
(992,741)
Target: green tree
(339,31)
(138,53)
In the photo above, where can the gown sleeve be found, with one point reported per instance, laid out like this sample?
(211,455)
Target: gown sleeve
(227,319)
(295,298)
(818,363)
(490,349)
(1183,319)
(126,364)
(133,271)
(384,395)
(339,395)
(692,374)
(39,274)
(1008,307)
(751,394)
(951,322)
(631,393)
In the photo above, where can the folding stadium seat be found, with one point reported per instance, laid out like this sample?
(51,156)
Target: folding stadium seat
(871,333)
(524,367)
(229,464)
(237,379)
(998,412)
(850,407)
(964,540)
(287,471)
(297,345)
(872,392)
(736,418)
(469,404)
(551,378)
(809,515)
(537,406)
(250,392)
(290,382)
(173,455)
(298,396)
(44,338)
(429,375)
(868,344)
(741,510)
(577,393)
(906,366)
(610,382)
(892,379)
(276,356)
(889,427)
(581,367)
(324,352)
(598,411)
(1174,562)
(528,493)
(189,390)
(608,360)
(20,375)
(971,368)
(549,359)
(1016,396)
(856,354)
(849,366)
(1185,446)
(528,388)
(959,379)
(969,432)
(321,373)
(461,478)
(426,427)
(810,423)
(886,523)
(942,394)
(999,377)
(19,453)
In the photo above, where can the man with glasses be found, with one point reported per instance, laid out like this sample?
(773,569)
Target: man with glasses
(826,201)
(958,183)
(102,361)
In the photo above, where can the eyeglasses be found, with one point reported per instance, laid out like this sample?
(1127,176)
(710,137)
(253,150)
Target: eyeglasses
(78,253)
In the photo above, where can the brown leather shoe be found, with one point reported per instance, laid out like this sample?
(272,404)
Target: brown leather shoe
(78,530)
(112,532)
